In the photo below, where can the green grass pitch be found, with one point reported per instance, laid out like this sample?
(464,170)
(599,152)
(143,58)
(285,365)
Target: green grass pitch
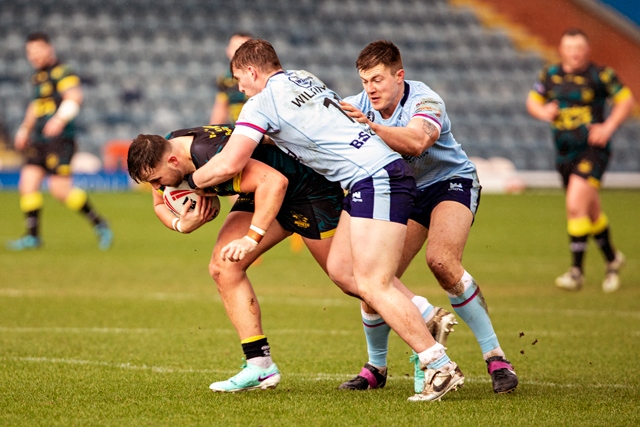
(134,336)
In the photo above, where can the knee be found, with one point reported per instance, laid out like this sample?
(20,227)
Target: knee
(443,268)
(343,279)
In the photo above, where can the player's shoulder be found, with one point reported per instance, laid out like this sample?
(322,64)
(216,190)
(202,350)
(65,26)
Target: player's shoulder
(421,90)
(604,73)
(61,71)
(359,100)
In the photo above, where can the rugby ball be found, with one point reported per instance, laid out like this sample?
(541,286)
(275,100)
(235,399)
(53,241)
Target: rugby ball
(177,198)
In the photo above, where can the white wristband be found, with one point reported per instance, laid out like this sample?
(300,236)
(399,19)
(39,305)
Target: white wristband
(250,239)
(258,230)
(176,225)
(68,110)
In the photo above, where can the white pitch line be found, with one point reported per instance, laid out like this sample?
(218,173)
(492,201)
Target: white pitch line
(303,377)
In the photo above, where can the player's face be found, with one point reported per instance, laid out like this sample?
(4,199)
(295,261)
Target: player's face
(574,53)
(383,88)
(39,54)
(247,81)
(165,174)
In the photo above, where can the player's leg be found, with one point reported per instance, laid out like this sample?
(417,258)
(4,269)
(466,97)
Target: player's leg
(601,230)
(76,199)
(374,272)
(448,233)
(580,195)
(31,202)
(376,330)
(242,307)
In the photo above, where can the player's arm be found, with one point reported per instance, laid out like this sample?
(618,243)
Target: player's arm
(269,187)
(419,134)
(600,133)
(540,108)
(224,165)
(413,139)
(189,220)
(22,135)
(69,108)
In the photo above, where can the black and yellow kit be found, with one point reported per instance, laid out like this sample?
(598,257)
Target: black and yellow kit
(53,154)
(228,89)
(312,204)
(582,100)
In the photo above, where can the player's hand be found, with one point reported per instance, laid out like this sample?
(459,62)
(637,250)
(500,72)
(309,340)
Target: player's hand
(599,134)
(550,111)
(21,139)
(238,249)
(354,113)
(191,220)
(53,127)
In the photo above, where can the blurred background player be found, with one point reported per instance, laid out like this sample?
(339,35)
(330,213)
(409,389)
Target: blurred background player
(572,96)
(412,119)
(299,199)
(229,100)
(47,137)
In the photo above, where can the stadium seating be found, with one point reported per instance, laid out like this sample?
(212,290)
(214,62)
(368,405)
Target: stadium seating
(150,66)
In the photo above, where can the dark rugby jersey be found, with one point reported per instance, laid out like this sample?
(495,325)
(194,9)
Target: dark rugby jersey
(49,84)
(210,140)
(582,98)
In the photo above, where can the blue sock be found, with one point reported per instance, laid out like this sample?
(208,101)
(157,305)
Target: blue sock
(377,332)
(472,309)
(439,363)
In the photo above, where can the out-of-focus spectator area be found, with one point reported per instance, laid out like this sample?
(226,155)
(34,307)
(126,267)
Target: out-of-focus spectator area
(150,66)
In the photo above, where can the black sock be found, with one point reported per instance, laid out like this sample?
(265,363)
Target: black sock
(259,348)
(88,211)
(32,219)
(604,242)
(578,247)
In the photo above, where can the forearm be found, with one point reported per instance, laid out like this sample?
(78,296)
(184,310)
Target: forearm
(537,110)
(405,140)
(268,198)
(619,114)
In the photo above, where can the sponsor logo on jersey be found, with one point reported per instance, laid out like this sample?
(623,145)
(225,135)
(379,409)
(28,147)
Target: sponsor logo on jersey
(304,82)
(356,197)
(455,186)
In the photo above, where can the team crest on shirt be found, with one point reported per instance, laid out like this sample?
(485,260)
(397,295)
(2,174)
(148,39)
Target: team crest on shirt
(300,220)
(370,116)
(304,82)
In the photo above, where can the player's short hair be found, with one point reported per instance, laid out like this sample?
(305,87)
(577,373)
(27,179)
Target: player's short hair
(575,32)
(380,52)
(39,36)
(145,154)
(258,53)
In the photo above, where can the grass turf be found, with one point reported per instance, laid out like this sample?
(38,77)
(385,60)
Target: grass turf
(134,336)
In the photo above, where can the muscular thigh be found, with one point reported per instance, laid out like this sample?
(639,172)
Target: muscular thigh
(449,230)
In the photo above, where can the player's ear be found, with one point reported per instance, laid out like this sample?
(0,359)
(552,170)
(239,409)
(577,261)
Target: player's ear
(400,75)
(172,160)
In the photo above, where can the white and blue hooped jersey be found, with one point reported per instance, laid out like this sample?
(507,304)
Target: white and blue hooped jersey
(442,161)
(304,119)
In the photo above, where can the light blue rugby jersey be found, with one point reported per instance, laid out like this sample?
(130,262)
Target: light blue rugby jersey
(305,120)
(446,158)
